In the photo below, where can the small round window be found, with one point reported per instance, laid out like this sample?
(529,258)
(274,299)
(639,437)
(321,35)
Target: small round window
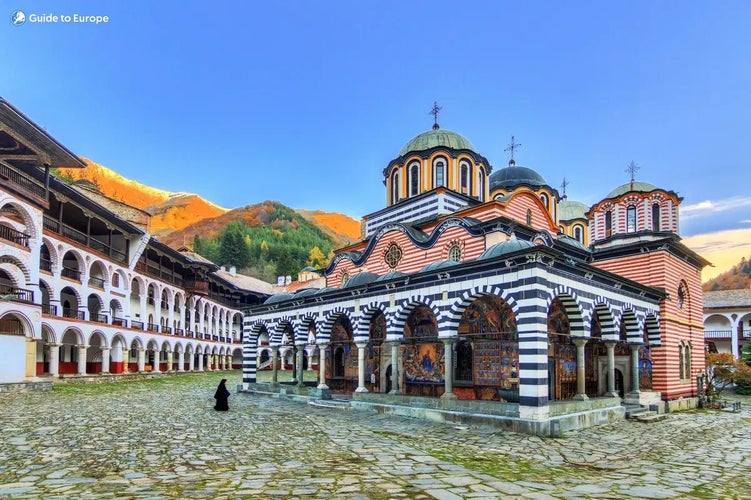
(455,253)
(393,255)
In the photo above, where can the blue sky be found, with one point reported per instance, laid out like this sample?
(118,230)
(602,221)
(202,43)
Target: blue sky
(306,102)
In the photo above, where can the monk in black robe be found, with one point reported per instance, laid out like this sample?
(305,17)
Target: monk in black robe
(221,395)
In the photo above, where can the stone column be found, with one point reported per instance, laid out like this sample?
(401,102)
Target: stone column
(191,362)
(395,368)
(274,358)
(737,325)
(180,361)
(126,359)
(105,360)
(54,360)
(141,360)
(448,368)
(300,370)
(227,362)
(200,362)
(82,359)
(610,346)
(635,368)
(322,366)
(361,368)
(155,367)
(169,361)
(581,381)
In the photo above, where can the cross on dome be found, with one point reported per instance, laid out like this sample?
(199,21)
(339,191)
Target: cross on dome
(435,110)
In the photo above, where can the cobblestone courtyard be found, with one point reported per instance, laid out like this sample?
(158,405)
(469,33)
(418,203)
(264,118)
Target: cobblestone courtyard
(162,439)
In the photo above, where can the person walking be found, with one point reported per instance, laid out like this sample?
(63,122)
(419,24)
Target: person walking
(222,396)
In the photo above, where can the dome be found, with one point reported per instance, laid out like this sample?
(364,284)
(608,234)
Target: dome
(308,269)
(361,279)
(506,247)
(306,291)
(278,298)
(434,138)
(513,176)
(391,275)
(639,187)
(441,264)
(570,210)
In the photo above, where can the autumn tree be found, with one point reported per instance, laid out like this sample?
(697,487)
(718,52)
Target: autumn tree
(316,258)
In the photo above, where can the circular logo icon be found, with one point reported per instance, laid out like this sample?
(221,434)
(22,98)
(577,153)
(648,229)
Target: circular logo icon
(18,18)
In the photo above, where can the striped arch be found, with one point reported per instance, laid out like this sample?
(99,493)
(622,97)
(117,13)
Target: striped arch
(54,254)
(28,220)
(573,308)
(250,349)
(278,334)
(76,333)
(48,334)
(395,324)
(118,340)
(28,326)
(604,312)
(362,329)
(450,325)
(652,324)
(302,329)
(324,335)
(628,317)
(253,330)
(9,261)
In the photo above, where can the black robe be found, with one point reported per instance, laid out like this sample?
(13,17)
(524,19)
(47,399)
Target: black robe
(221,395)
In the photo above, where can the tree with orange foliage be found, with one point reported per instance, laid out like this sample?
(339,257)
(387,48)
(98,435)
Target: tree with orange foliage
(722,371)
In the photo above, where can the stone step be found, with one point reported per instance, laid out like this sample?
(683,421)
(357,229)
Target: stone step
(636,411)
(330,403)
(654,417)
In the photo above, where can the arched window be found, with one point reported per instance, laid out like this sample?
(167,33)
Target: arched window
(578,233)
(414,179)
(464,178)
(608,224)
(439,172)
(544,200)
(684,360)
(529,217)
(395,186)
(681,296)
(655,217)
(631,219)
(481,184)
(455,253)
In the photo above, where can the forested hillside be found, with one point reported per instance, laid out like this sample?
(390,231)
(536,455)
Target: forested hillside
(265,240)
(739,276)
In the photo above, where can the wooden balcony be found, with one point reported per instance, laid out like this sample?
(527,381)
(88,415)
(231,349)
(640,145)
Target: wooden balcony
(23,185)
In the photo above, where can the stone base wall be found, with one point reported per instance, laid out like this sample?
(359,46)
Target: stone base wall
(681,404)
(35,386)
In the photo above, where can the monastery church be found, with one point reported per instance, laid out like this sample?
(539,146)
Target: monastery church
(487,291)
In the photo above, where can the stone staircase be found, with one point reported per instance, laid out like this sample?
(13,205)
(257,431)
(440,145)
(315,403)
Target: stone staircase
(642,414)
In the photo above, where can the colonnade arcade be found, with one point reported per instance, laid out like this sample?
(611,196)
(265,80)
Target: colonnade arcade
(468,351)
(72,352)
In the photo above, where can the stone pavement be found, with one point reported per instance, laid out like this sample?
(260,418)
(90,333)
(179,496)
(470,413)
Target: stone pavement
(162,439)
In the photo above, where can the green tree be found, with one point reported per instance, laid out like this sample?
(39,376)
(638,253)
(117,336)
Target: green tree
(316,258)
(285,265)
(233,250)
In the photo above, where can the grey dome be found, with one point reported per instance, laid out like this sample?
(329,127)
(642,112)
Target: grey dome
(361,279)
(506,247)
(513,176)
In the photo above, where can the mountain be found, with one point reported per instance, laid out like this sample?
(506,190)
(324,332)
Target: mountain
(169,211)
(739,276)
(341,227)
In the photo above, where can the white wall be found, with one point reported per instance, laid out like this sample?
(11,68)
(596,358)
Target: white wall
(12,358)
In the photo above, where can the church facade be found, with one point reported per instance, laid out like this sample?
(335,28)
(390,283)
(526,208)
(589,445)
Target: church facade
(489,292)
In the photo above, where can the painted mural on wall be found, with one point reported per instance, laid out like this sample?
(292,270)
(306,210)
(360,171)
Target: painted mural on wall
(645,368)
(342,355)
(489,314)
(421,323)
(496,363)
(423,363)
(376,335)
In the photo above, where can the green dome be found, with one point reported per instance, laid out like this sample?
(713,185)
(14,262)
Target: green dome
(639,187)
(570,210)
(506,247)
(434,138)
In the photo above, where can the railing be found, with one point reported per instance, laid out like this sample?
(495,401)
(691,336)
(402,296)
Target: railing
(189,333)
(198,286)
(17,237)
(746,334)
(150,301)
(120,322)
(167,329)
(164,304)
(99,318)
(49,309)
(76,235)
(138,325)
(73,274)
(45,265)
(97,282)
(717,334)
(152,327)
(180,332)
(16,294)
(73,313)
(24,183)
